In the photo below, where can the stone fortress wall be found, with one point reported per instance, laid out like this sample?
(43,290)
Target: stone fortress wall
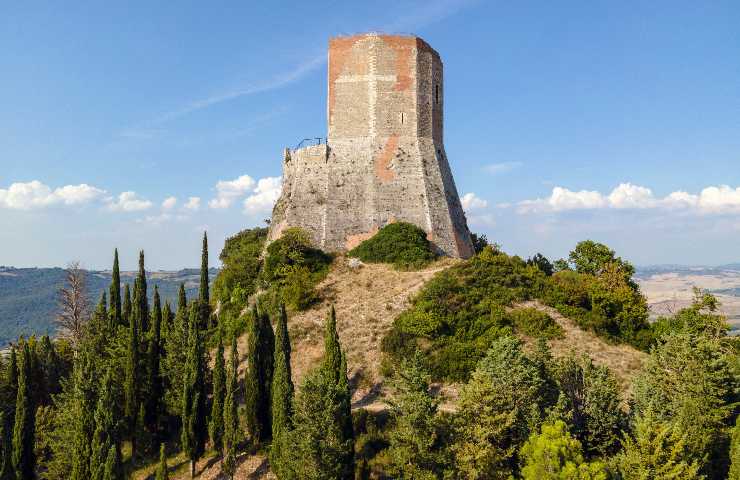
(384,159)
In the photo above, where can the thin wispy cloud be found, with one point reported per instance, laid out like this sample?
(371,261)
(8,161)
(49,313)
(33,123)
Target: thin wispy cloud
(430,13)
(504,167)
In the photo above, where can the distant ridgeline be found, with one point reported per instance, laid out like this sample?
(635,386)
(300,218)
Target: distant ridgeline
(28,296)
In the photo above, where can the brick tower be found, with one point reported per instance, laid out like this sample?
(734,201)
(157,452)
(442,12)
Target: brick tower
(384,159)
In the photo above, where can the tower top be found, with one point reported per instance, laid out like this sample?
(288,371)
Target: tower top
(382,86)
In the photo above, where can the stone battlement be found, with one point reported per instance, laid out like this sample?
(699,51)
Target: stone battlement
(384,159)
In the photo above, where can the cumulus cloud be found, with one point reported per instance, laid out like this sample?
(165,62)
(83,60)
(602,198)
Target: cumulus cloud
(476,210)
(721,199)
(34,194)
(503,167)
(169,203)
(193,204)
(128,202)
(471,201)
(227,191)
(264,196)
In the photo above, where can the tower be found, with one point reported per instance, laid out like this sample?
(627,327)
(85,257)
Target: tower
(384,159)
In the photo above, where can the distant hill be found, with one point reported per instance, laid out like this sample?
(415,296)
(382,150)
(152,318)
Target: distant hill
(28,296)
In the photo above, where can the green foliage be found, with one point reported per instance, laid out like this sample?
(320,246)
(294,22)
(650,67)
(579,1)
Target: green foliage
(107,426)
(554,455)
(176,343)
(282,400)
(292,267)
(497,410)
(155,393)
(113,468)
(115,292)
(231,414)
(132,374)
(401,244)
(701,318)
(162,473)
(241,263)
(535,323)
(594,258)
(541,262)
(319,447)
(216,427)
(658,451)
(461,311)
(479,242)
(260,361)
(734,473)
(24,460)
(416,447)
(691,382)
(591,405)
(194,425)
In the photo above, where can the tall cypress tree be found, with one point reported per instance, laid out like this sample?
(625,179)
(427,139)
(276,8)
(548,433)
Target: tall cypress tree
(219,392)
(194,425)
(231,413)
(131,379)
(205,299)
(115,293)
(162,473)
(24,460)
(335,368)
(126,308)
(176,343)
(85,385)
(113,470)
(282,398)
(107,422)
(259,376)
(5,449)
(12,378)
(154,380)
(141,301)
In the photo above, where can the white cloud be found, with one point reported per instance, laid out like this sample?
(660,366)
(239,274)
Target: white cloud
(264,196)
(34,194)
(721,199)
(128,202)
(627,195)
(471,201)
(169,203)
(498,168)
(227,191)
(193,203)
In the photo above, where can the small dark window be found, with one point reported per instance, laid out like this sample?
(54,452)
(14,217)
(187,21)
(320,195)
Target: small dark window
(401,118)
(436,94)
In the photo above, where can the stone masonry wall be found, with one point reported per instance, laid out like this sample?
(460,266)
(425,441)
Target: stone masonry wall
(384,160)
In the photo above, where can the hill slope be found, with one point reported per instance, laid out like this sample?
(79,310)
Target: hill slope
(367,299)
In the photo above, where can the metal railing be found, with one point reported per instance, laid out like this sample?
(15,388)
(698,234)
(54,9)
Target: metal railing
(317,140)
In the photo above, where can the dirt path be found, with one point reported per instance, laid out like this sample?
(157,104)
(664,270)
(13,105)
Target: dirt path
(623,360)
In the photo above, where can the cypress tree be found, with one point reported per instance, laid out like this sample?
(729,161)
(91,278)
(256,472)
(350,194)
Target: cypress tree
(231,413)
(82,420)
(735,452)
(6,463)
(52,368)
(113,470)
(216,428)
(205,305)
(154,381)
(162,473)
(115,293)
(141,301)
(176,343)
(167,318)
(335,368)
(282,398)
(126,308)
(131,379)
(259,376)
(194,425)
(24,461)
(107,421)
(5,449)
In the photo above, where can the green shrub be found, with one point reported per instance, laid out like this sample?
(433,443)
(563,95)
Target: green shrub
(401,244)
(292,268)
(535,323)
(241,266)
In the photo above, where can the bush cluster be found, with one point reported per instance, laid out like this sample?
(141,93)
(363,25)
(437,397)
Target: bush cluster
(463,309)
(401,244)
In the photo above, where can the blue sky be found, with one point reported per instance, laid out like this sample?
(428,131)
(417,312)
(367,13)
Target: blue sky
(617,121)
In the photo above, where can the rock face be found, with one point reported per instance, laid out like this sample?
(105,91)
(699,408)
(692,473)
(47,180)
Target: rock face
(384,159)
